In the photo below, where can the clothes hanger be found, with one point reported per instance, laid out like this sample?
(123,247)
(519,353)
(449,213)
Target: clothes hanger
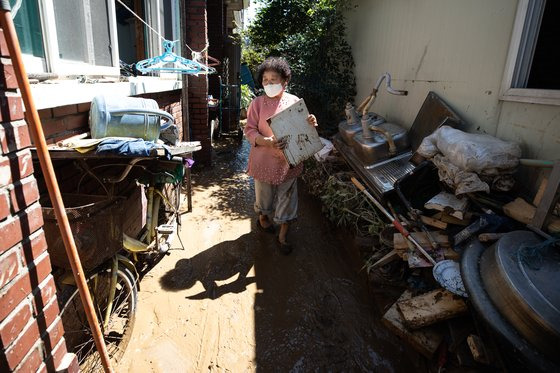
(170,62)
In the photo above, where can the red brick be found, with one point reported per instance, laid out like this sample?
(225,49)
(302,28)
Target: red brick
(43,294)
(32,361)
(23,193)
(14,324)
(58,353)
(14,229)
(19,289)
(61,111)
(84,107)
(15,166)
(53,334)
(45,113)
(50,313)
(7,75)
(3,45)
(11,108)
(52,126)
(69,364)
(17,351)
(14,136)
(4,204)
(10,265)
(32,247)
(75,121)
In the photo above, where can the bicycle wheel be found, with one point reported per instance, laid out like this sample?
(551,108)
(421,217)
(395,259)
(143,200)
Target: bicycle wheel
(171,203)
(118,329)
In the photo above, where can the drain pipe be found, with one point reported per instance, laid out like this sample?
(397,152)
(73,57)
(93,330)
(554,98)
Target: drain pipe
(7,24)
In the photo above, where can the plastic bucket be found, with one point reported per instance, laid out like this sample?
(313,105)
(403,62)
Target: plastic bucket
(127,117)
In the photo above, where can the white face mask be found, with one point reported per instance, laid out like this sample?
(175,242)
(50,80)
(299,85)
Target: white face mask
(273,90)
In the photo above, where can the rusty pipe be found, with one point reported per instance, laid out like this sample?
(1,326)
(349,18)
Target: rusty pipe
(36,130)
(387,135)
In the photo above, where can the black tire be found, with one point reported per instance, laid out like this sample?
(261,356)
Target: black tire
(78,334)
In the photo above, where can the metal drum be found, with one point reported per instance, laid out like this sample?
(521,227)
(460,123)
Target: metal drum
(127,117)
(524,284)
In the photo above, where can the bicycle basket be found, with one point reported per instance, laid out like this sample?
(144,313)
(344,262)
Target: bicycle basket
(96,223)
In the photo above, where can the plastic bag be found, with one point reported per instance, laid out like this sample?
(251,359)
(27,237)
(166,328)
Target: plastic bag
(471,152)
(322,154)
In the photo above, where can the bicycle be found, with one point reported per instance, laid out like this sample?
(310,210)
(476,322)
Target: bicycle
(114,284)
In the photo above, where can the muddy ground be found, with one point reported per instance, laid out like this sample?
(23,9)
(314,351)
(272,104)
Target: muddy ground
(231,302)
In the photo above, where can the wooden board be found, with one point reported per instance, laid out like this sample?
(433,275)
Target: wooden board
(433,222)
(449,203)
(524,212)
(430,308)
(302,139)
(401,244)
(426,340)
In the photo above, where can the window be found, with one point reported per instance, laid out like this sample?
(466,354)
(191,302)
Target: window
(87,37)
(532,73)
(67,37)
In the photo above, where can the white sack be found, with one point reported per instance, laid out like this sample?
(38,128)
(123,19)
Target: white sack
(478,153)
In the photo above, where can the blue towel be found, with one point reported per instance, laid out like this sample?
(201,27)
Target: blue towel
(132,148)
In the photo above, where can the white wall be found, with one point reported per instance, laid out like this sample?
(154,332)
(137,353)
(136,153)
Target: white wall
(456,48)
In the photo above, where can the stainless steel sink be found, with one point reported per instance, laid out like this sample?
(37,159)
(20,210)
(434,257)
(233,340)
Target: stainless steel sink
(373,147)
(351,126)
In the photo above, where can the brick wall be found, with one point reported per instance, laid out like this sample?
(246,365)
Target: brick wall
(196,38)
(216,35)
(31,332)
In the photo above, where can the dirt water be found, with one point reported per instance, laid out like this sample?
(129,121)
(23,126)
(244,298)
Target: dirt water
(231,302)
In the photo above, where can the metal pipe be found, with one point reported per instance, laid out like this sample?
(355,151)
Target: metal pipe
(393,220)
(536,163)
(387,135)
(36,130)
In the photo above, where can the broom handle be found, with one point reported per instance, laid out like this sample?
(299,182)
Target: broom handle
(393,220)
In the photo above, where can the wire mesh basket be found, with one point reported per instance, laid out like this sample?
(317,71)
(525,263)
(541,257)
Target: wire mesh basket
(96,223)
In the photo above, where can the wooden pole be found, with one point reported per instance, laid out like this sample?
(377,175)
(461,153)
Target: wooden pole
(50,179)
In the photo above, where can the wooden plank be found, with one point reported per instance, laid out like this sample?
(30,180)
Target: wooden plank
(431,308)
(453,220)
(451,254)
(523,212)
(548,197)
(400,243)
(426,340)
(387,258)
(538,196)
(433,222)
(478,349)
(449,203)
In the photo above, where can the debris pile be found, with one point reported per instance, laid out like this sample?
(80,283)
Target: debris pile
(460,300)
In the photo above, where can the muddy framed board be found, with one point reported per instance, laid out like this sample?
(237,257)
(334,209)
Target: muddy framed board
(302,139)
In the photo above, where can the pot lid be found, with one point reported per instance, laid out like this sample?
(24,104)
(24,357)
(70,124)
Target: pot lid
(521,276)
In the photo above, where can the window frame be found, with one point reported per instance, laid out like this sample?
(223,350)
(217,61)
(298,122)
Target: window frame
(53,63)
(526,13)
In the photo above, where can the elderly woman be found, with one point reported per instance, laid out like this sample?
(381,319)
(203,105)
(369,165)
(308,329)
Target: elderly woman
(276,198)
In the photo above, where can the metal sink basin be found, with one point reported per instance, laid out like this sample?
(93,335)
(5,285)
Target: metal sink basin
(352,125)
(373,149)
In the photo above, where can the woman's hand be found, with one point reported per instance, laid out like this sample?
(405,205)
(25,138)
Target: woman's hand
(271,142)
(312,120)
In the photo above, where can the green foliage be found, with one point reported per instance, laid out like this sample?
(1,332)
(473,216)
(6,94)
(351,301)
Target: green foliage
(310,34)
(246,96)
